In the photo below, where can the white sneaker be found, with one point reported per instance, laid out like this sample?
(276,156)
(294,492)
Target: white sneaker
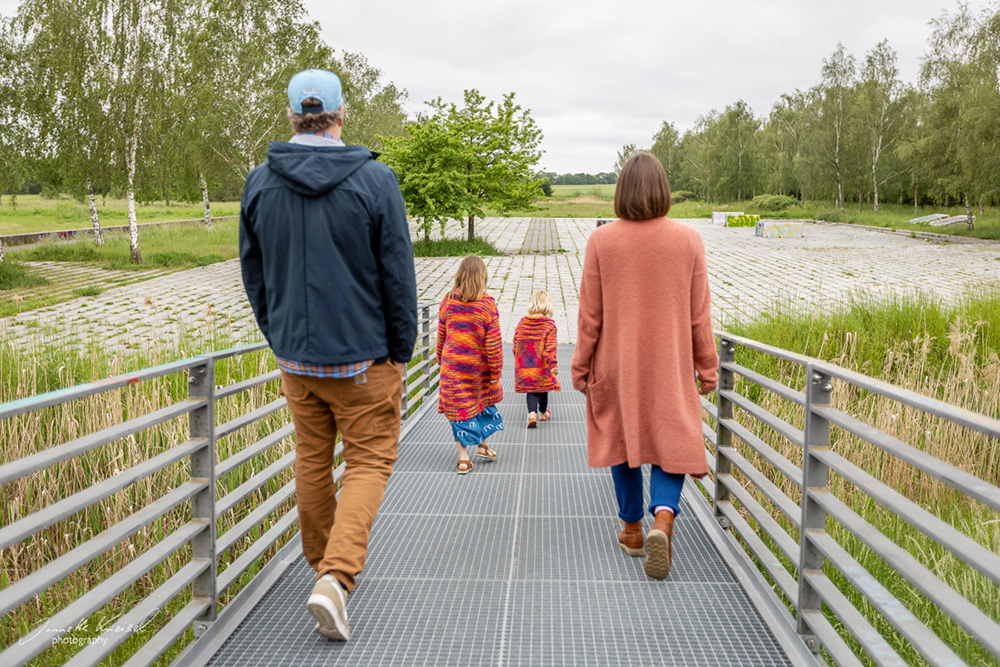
(328,605)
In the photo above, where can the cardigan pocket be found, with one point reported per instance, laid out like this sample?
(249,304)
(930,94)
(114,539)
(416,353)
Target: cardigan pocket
(604,410)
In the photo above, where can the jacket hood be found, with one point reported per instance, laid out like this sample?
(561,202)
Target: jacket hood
(315,170)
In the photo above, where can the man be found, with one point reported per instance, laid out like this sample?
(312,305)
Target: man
(328,267)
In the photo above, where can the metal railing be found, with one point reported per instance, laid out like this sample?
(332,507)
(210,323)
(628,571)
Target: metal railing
(209,572)
(790,541)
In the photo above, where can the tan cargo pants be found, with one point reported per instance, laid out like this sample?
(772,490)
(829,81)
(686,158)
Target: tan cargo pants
(367,414)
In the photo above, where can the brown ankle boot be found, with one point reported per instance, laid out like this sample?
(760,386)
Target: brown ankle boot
(658,548)
(630,539)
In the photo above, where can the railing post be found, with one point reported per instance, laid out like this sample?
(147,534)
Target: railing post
(201,384)
(723,436)
(815,476)
(425,314)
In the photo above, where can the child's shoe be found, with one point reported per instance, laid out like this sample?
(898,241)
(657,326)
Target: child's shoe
(532,420)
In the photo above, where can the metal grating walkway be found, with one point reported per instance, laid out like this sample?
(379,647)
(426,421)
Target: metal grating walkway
(513,564)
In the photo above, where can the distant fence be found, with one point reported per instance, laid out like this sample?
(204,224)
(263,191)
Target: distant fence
(198,521)
(70,234)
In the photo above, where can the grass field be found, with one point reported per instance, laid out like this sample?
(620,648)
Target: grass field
(32,213)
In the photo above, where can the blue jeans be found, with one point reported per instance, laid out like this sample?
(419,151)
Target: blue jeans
(664,489)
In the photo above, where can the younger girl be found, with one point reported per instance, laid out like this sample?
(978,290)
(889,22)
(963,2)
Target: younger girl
(470,352)
(536,366)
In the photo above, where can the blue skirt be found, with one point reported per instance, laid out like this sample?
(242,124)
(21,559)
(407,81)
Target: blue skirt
(475,431)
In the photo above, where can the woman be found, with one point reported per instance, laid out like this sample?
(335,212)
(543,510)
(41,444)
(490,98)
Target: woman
(644,345)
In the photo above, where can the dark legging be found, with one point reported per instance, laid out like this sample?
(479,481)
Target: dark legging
(538,402)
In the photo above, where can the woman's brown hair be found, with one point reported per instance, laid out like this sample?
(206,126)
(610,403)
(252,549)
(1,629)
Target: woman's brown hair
(471,278)
(643,192)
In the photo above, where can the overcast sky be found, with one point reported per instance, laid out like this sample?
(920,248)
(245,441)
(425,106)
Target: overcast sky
(597,75)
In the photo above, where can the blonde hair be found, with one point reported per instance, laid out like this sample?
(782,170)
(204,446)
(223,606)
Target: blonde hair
(540,302)
(471,278)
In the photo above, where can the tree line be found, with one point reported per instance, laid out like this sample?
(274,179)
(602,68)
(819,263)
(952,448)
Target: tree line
(603,178)
(861,134)
(164,99)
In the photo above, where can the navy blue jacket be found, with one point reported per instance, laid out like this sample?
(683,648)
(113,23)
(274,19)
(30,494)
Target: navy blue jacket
(326,256)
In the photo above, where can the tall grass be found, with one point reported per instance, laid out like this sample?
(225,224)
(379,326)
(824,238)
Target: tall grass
(51,366)
(945,351)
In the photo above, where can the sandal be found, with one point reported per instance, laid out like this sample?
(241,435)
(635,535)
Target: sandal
(545,417)
(532,421)
(490,455)
(467,470)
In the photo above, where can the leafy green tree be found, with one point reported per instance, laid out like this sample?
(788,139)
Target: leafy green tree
(838,78)
(627,151)
(429,161)
(13,140)
(880,105)
(666,145)
(737,148)
(500,150)
(372,109)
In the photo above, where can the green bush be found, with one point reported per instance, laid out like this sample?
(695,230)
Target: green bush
(770,203)
(454,248)
(682,195)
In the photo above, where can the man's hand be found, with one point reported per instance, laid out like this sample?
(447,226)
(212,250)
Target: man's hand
(400,366)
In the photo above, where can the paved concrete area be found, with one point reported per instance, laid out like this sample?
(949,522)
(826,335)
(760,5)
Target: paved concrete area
(748,275)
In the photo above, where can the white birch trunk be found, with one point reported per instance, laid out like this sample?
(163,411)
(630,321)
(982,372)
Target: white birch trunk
(133,224)
(95,219)
(968,213)
(204,198)
(2,250)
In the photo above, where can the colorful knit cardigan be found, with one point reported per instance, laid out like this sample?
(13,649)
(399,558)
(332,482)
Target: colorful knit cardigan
(535,363)
(470,351)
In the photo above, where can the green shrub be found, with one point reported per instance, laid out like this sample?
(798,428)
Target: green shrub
(454,248)
(88,291)
(682,195)
(772,203)
(13,276)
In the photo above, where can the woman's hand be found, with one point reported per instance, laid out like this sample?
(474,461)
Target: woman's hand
(707,388)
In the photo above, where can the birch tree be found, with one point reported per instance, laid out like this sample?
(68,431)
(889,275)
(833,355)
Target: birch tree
(13,144)
(373,110)
(879,103)
(838,76)
(666,149)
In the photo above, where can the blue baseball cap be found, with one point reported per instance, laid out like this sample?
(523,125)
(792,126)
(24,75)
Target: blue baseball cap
(319,84)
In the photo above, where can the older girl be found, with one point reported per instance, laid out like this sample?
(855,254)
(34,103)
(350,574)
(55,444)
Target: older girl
(470,352)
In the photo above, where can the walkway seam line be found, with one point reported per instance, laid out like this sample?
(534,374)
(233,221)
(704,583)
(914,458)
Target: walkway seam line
(513,566)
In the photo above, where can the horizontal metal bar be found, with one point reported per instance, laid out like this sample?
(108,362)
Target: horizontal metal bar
(786,505)
(419,396)
(909,626)
(772,386)
(765,348)
(831,640)
(225,541)
(961,416)
(974,554)
(227,502)
(247,384)
(768,524)
(59,396)
(770,454)
(165,638)
(243,421)
(775,568)
(983,628)
(969,484)
(226,466)
(56,512)
(871,641)
(709,407)
(140,615)
(760,414)
(83,607)
(709,433)
(41,579)
(236,351)
(416,370)
(231,574)
(59,453)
